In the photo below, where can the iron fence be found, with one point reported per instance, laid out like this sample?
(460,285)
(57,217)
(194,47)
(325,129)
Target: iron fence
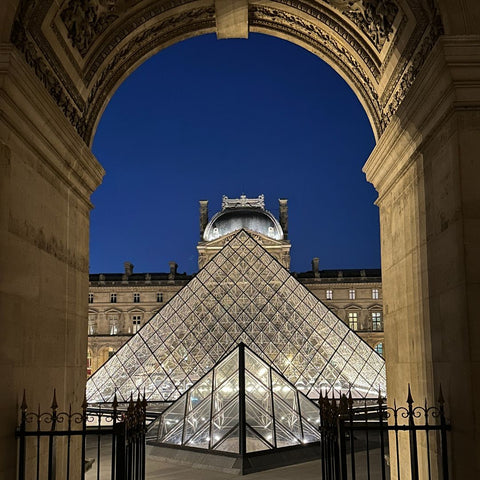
(56,445)
(374,441)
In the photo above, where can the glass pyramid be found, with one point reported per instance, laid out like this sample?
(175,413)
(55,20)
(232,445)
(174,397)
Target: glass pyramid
(241,406)
(243,294)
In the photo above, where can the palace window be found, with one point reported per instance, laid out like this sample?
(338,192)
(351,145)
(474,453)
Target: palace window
(89,362)
(329,294)
(377,321)
(136,321)
(90,298)
(375,293)
(159,297)
(351,294)
(353,320)
(92,326)
(136,298)
(113,298)
(379,349)
(111,352)
(113,321)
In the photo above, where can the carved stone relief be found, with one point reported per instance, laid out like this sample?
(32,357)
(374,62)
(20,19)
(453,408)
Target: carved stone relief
(411,72)
(374,17)
(85,20)
(45,74)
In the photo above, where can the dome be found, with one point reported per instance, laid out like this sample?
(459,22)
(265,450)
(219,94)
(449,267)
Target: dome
(252,219)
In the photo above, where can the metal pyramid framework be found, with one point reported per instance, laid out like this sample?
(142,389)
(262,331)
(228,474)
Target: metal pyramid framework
(240,406)
(242,295)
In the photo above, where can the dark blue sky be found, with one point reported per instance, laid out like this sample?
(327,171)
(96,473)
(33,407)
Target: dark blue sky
(206,118)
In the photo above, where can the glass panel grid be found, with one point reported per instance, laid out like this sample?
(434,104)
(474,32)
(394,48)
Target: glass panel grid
(242,294)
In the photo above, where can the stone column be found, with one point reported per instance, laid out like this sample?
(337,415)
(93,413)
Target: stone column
(426,169)
(47,175)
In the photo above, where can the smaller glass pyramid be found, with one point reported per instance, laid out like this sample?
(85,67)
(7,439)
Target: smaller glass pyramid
(241,405)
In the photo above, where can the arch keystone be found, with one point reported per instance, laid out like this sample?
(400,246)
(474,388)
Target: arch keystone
(232,18)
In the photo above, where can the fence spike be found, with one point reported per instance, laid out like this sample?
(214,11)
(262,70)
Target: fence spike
(343,404)
(84,403)
(441,400)
(54,405)
(379,398)
(115,401)
(23,406)
(410,398)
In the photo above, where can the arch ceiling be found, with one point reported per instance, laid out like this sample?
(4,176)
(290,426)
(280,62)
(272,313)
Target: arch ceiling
(81,50)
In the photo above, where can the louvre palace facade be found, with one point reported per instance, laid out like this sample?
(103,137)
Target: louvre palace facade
(121,303)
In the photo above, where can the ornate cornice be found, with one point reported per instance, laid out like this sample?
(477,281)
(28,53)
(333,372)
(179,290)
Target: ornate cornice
(135,22)
(101,39)
(44,72)
(409,75)
(335,23)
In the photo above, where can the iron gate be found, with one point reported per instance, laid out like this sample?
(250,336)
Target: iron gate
(371,440)
(57,445)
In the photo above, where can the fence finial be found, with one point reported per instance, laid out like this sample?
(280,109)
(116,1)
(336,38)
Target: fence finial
(410,398)
(54,405)
(379,398)
(115,401)
(23,406)
(84,403)
(441,400)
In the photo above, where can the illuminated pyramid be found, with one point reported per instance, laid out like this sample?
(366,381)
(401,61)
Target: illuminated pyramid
(241,406)
(242,295)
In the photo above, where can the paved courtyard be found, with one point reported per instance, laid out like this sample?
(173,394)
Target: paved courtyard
(161,470)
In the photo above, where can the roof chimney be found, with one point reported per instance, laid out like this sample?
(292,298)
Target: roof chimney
(315,262)
(128,268)
(283,216)
(173,270)
(203,217)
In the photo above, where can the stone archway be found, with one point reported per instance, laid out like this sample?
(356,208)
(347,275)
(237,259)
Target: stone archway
(414,67)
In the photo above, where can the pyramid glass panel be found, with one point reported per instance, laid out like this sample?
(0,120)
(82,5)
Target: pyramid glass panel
(225,420)
(255,443)
(242,295)
(201,439)
(259,420)
(230,443)
(219,422)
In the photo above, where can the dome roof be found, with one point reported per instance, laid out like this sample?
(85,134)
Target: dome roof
(233,219)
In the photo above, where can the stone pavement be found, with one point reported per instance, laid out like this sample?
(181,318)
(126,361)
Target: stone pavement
(161,470)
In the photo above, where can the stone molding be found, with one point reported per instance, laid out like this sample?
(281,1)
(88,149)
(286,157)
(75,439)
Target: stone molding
(37,121)
(103,41)
(449,81)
